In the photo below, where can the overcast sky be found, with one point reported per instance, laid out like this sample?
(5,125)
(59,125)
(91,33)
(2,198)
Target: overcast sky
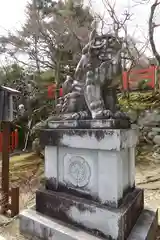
(12,15)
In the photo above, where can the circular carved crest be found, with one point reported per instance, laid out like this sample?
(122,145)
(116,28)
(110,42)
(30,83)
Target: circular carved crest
(79,171)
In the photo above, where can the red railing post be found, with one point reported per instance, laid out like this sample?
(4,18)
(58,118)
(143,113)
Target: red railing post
(153,76)
(51,90)
(125,80)
(13,140)
(61,92)
(16,138)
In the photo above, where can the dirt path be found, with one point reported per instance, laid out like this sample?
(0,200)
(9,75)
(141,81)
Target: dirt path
(147,177)
(10,229)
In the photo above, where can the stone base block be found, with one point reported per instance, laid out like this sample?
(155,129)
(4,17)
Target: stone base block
(146,226)
(92,123)
(106,222)
(90,160)
(37,225)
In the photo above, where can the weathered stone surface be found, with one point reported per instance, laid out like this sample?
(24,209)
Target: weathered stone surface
(104,139)
(146,226)
(133,115)
(89,172)
(93,124)
(88,163)
(37,225)
(149,118)
(106,222)
(151,135)
(156,129)
(156,139)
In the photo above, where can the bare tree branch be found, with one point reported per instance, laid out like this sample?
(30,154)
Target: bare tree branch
(152,26)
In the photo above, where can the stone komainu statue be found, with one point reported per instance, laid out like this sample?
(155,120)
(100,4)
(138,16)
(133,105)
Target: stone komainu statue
(92,92)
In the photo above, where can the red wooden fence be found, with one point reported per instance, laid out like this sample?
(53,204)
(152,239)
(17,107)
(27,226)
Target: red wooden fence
(13,140)
(52,89)
(132,78)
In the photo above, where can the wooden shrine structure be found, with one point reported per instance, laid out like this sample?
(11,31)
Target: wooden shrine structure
(10,196)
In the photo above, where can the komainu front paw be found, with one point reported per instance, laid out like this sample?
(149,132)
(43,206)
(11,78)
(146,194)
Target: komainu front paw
(121,115)
(103,114)
(107,114)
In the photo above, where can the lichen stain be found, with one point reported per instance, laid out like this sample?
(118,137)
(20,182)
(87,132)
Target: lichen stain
(53,136)
(51,185)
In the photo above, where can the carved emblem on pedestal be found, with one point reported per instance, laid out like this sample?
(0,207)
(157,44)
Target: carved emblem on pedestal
(78,171)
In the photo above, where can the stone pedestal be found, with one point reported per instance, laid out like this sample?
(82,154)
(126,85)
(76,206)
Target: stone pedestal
(101,220)
(90,183)
(98,163)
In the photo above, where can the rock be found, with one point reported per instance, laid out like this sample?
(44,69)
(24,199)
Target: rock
(133,115)
(151,118)
(156,140)
(156,129)
(156,114)
(36,146)
(146,129)
(151,135)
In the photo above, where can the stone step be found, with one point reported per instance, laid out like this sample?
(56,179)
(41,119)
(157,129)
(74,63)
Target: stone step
(37,225)
(92,215)
(146,226)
